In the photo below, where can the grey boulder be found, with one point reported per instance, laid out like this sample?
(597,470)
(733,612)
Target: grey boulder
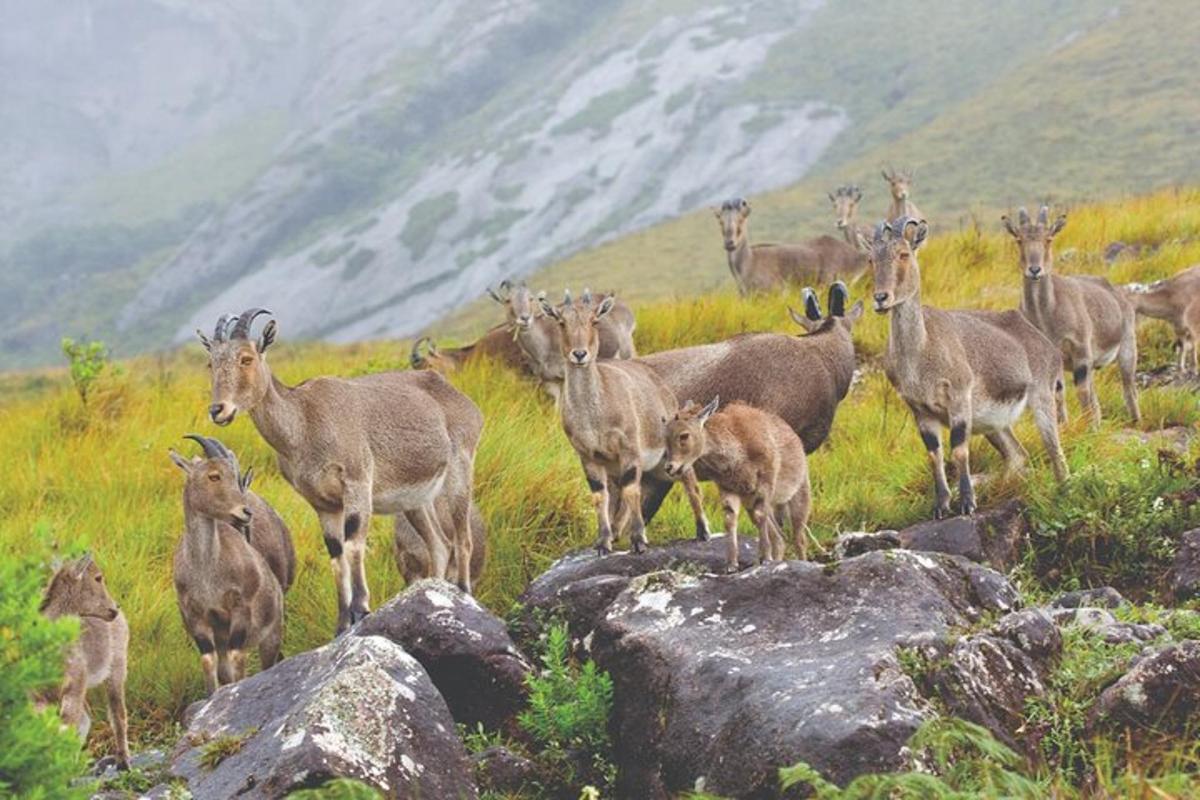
(1160,694)
(360,708)
(465,648)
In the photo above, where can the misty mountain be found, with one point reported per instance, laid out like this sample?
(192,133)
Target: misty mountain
(363,169)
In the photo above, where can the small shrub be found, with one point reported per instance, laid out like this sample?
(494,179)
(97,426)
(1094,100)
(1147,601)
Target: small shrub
(38,757)
(88,361)
(567,717)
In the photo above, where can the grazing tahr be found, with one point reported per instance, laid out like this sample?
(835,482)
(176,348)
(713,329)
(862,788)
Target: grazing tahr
(614,414)
(99,656)
(756,461)
(900,185)
(845,200)
(232,566)
(969,371)
(800,379)
(538,337)
(763,267)
(1177,301)
(497,344)
(385,443)
(1093,322)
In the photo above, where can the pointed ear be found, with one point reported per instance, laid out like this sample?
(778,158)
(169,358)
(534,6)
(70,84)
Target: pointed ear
(855,313)
(885,175)
(863,244)
(919,230)
(803,321)
(744,210)
(832,199)
(204,340)
(267,338)
(709,409)
(246,479)
(1058,225)
(180,462)
(494,296)
(716,212)
(606,305)
(837,299)
(549,310)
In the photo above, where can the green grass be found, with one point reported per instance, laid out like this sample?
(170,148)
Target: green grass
(100,477)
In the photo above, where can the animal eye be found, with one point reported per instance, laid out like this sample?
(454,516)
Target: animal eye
(247,361)
(214,476)
(99,579)
(683,437)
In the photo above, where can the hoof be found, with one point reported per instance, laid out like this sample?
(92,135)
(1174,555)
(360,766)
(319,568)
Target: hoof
(603,550)
(639,546)
(732,569)
(358,615)
(703,534)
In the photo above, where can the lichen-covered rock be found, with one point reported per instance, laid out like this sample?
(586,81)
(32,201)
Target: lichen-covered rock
(986,678)
(464,647)
(1160,694)
(360,708)
(1102,622)
(500,770)
(1185,571)
(994,537)
(1103,597)
(579,586)
(853,544)
(729,678)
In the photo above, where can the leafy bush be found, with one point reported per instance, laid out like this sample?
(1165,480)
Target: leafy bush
(88,361)
(567,717)
(38,757)
(341,789)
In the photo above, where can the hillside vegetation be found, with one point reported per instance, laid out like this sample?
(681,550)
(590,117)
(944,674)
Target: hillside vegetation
(98,476)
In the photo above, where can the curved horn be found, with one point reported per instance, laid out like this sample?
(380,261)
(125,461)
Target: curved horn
(1022,216)
(1044,215)
(241,329)
(837,299)
(221,332)
(212,447)
(587,296)
(812,306)
(415,358)
(566,297)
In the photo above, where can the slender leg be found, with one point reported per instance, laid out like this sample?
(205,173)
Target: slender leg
(1010,449)
(692,485)
(1127,358)
(73,705)
(732,505)
(1046,420)
(271,644)
(457,498)
(931,435)
(118,717)
(762,520)
(333,530)
(631,508)
(225,672)
(1088,401)
(597,480)
(429,528)
(960,432)
(357,525)
(205,643)
(799,507)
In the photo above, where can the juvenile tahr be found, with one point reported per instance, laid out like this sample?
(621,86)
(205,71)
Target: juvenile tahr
(613,413)
(757,463)
(386,443)
(232,566)
(1175,300)
(800,379)
(497,344)
(99,656)
(763,267)
(1089,319)
(537,333)
(969,371)
(900,185)
(845,200)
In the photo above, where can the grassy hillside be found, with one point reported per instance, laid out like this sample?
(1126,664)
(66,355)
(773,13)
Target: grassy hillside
(1110,109)
(99,476)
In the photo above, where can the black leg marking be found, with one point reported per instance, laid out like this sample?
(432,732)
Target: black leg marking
(653,494)
(237,638)
(204,645)
(931,440)
(1058,385)
(594,484)
(353,523)
(958,435)
(1080,374)
(628,477)
(334,546)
